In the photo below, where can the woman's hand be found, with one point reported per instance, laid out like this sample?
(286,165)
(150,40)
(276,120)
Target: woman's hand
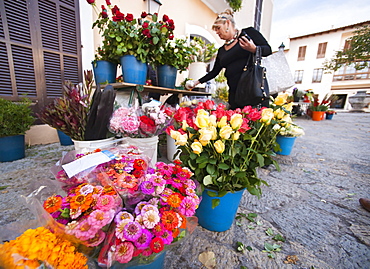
(247,44)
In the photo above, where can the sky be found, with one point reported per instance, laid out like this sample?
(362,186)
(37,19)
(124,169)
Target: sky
(293,18)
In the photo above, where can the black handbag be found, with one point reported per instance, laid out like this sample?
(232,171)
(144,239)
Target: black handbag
(252,87)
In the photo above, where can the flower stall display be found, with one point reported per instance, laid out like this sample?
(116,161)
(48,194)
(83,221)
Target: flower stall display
(287,130)
(132,41)
(41,248)
(224,148)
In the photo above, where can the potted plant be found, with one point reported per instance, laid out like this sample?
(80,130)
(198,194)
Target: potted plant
(224,148)
(318,108)
(172,57)
(81,113)
(15,119)
(330,114)
(104,65)
(287,130)
(134,41)
(202,54)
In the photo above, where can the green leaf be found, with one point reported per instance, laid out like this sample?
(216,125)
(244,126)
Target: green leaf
(268,247)
(212,194)
(251,227)
(202,159)
(3,187)
(249,248)
(212,161)
(261,160)
(207,180)
(279,237)
(182,234)
(271,255)
(215,202)
(118,38)
(251,217)
(211,169)
(269,232)
(223,166)
(155,40)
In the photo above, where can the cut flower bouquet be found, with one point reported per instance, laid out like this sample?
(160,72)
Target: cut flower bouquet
(155,208)
(223,147)
(135,122)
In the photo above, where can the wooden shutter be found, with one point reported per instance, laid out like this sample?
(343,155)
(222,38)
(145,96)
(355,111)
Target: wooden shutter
(40,47)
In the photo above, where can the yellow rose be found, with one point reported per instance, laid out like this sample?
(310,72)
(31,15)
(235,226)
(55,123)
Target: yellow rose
(213,120)
(181,140)
(236,136)
(214,132)
(202,119)
(226,132)
(197,147)
(175,134)
(267,115)
(205,135)
(279,113)
(288,107)
(219,146)
(281,99)
(184,125)
(222,122)
(286,121)
(236,121)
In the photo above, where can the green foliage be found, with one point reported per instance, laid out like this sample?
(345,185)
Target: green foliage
(15,117)
(270,248)
(176,53)
(358,54)
(201,51)
(236,5)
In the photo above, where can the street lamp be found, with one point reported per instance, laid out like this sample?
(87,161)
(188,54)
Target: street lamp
(153,6)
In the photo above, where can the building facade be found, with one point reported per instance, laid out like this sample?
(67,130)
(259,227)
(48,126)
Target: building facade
(306,57)
(44,42)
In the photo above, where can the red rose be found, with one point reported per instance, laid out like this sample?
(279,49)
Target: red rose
(165,18)
(108,2)
(115,9)
(91,2)
(104,14)
(147,125)
(171,37)
(129,17)
(145,25)
(119,16)
(144,14)
(146,32)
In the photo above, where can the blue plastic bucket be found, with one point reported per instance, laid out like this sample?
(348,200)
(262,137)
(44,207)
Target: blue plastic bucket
(12,148)
(133,70)
(166,76)
(104,72)
(64,139)
(329,116)
(286,144)
(222,216)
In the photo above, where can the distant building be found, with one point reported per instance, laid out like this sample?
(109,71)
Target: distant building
(307,54)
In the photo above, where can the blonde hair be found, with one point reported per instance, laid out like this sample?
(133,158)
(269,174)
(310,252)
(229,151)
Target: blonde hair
(223,17)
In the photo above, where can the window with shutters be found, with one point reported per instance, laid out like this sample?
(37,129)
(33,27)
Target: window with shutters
(302,53)
(298,76)
(39,48)
(317,75)
(321,50)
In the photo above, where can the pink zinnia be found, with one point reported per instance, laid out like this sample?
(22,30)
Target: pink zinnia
(100,218)
(124,252)
(105,202)
(97,239)
(132,231)
(188,206)
(167,237)
(123,215)
(165,169)
(85,231)
(144,240)
(158,229)
(151,218)
(147,187)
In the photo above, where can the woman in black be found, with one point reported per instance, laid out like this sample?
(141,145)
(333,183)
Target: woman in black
(234,54)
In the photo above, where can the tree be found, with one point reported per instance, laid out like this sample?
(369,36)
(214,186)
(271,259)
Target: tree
(358,52)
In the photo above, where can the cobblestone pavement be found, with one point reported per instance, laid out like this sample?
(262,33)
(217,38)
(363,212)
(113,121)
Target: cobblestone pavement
(312,203)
